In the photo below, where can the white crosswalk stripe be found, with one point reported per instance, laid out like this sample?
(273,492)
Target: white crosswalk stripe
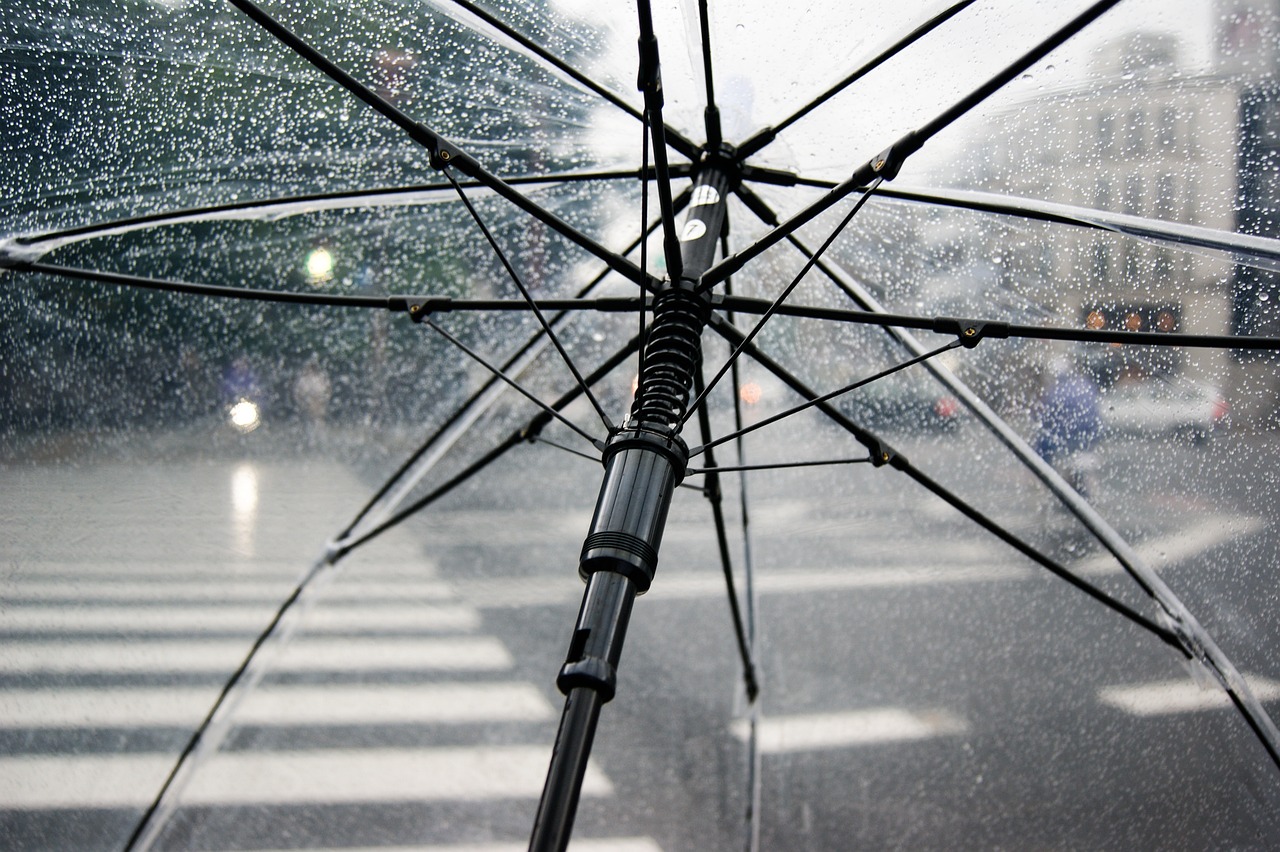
(519,592)
(267,590)
(1179,696)
(818,731)
(196,619)
(259,778)
(611,844)
(1184,543)
(330,704)
(466,653)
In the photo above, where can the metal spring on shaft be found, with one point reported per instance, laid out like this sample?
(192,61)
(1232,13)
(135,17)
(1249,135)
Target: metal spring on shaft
(672,355)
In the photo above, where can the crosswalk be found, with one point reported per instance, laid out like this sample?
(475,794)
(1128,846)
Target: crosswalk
(419,658)
(107,665)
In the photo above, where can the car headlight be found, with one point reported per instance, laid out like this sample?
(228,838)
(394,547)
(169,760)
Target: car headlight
(244,416)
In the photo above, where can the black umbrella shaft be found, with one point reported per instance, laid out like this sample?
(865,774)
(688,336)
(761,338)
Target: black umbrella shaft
(587,680)
(559,803)
(618,561)
(644,462)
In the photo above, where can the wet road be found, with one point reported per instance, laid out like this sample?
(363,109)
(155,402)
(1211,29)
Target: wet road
(924,687)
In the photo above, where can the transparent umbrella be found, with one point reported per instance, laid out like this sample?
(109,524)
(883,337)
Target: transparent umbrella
(936,341)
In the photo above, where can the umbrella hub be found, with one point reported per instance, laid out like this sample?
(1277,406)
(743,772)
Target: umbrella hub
(673,349)
(672,355)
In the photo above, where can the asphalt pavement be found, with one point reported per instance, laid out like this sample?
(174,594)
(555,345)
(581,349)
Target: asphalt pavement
(923,686)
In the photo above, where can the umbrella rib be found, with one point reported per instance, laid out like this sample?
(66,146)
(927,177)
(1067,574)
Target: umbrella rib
(1060,571)
(41,243)
(780,465)
(345,545)
(1192,638)
(346,542)
(148,825)
(988,328)
(650,83)
(599,304)
(818,400)
(674,138)
(524,291)
(414,305)
(887,163)
(512,383)
(754,786)
(711,115)
(1244,246)
(1031,57)
(1074,503)
(782,297)
(644,244)
(1186,634)
(715,496)
(390,303)
(156,815)
(767,135)
(526,353)
(442,151)
(883,454)
(539,439)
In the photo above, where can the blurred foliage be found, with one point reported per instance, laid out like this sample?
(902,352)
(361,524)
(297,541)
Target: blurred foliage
(111,109)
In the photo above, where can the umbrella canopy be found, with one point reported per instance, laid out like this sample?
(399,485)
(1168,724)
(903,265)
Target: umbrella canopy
(928,349)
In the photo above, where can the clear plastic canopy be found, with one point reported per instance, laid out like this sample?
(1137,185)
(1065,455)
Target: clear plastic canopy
(286,565)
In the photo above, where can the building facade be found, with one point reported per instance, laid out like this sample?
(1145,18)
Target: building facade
(1160,141)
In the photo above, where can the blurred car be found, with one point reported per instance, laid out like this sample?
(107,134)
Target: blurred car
(1161,408)
(905,402)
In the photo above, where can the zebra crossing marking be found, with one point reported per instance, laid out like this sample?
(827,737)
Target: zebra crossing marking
(817,731)
(1168,697)
(264,778)
(196,619)
(276,705)
(466,653)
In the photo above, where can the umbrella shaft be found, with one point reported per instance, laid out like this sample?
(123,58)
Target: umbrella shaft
(559,803)
(587,680)
(644,462)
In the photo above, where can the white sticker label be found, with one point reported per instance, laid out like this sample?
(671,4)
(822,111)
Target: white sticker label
(704,195)
(693,229)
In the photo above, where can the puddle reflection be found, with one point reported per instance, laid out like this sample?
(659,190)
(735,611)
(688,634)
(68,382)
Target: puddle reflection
(244,507)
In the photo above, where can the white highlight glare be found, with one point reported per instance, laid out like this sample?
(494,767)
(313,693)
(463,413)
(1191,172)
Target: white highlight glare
(244,416)
(244,490)
(320,265)
(244,501)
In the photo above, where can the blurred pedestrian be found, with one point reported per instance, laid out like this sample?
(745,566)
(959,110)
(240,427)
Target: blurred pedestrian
(1070,424)
(311,393)
(239,382)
